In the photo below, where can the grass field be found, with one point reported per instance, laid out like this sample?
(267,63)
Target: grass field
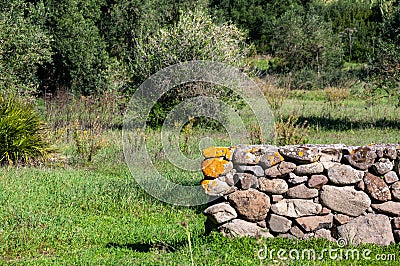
(351,121)
(71,213)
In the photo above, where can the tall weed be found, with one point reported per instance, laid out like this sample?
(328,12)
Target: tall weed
(79,123)
(291,131)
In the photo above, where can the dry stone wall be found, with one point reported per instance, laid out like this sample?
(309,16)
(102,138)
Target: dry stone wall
(303,191)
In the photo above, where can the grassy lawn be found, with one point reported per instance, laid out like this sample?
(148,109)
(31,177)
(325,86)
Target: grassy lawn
(350,121)
(96,217)
(95,214)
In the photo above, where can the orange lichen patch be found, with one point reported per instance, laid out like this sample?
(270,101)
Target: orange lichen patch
(317,158)
(250,157)
(228,154)
(213,152)
(276,158)
(208,184)
(301,153)
(352,152)
(254,150)
(205,184)
(278,155)
(213,187)
(214,167)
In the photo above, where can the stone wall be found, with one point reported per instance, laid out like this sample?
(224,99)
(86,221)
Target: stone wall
(303,191)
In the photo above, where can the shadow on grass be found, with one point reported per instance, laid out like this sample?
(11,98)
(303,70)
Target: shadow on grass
(142,247)
(160,245)
(329,123)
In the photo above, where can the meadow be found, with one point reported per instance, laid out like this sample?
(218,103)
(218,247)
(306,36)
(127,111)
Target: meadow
(81,210)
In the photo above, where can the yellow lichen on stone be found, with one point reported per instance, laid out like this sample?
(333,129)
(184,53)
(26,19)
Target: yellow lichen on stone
(278,155)
(252,158)
(214,187)
(275,159)
(204,183)
(301,153)
(213,152)
(213,167)
(254,150)
(228,154)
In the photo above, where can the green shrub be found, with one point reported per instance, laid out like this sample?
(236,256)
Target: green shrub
(21,132)
(193,37)
(306,42)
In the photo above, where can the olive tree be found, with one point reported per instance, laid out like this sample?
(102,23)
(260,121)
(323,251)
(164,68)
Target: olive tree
(193,37)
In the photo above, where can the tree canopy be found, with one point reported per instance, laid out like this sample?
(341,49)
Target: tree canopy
(89,47)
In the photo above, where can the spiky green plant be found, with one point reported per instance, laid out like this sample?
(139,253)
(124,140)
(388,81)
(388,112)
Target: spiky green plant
(21,132)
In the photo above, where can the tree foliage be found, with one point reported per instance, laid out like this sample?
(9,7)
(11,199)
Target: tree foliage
(356,22)
(92,46)
(80,59)
(25,44)
(385,62)
(193,37)
(304,39)
(309,48)
(254,16)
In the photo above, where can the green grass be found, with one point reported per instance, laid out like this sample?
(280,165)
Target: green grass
(67,216)
(73,213)
(351,121)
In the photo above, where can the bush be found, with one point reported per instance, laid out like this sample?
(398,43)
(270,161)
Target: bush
(336,96)
(193,37)
(21,132)
(306,41)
